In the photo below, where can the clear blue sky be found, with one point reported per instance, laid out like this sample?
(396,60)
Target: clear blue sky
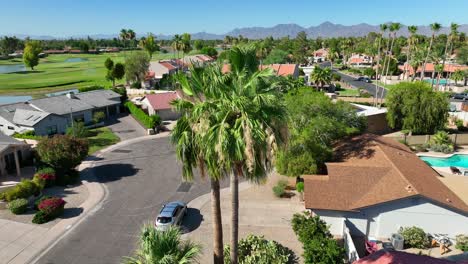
(70,17)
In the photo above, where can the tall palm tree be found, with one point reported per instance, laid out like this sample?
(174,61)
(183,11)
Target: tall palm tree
(435,27)
(177,43)
(412,31)
(123,35)
(163,247)
(394,27)
(248,115)
(383,28)
(186,46)
(417,60)
(320,77)
(190,139)
(453,34)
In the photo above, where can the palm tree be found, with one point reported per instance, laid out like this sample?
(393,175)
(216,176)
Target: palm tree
(412,31)
(394,27)
(248,116)
(383,28)
(332,56)
(417,60)
(131,35)
(450,38)
(163,247)
(123,35)
(458,75)
(435,27)
(320,77)
(186,46)
(177,43)
(190,138)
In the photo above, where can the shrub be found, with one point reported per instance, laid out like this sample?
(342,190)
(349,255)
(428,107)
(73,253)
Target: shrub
(146,120)
(47,175)
(318,243)
(257,249)
(27,135)
(18,206)
(39,200)
(300,187)
(52,207)
(98,117)
(280,188)
(63,153)
(415,237)
(24,189)
(90,88)
(442,148)
(459,124)
(461,242)
(40,217)
(78,130)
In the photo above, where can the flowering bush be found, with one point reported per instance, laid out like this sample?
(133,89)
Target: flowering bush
(52,207)
(47,175)
(462,242)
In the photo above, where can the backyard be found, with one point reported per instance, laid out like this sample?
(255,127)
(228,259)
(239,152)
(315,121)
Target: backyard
(100,138)
(61,72)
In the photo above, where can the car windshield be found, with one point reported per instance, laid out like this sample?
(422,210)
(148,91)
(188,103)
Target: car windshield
(163,220)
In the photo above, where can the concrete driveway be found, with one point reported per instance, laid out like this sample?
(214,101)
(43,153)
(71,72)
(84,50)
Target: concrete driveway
(139,178)
(126,127)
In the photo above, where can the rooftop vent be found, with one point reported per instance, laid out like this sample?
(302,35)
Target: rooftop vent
(71,95)
(448,200)
(409,188)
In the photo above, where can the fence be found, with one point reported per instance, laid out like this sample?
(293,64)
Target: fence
(352,99)
(457,139)
(351,252)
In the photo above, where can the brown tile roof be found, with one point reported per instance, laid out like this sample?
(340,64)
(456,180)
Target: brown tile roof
(371,170)
(280,69)
(161,101)
(430,68)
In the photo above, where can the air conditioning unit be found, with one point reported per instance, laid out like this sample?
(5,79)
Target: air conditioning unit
(397,241)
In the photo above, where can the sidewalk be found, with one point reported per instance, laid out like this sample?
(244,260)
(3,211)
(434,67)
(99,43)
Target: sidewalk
(260,213)
(26,242)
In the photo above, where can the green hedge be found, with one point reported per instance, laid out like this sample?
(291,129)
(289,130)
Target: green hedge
(26,135)
(18,206)
(90,88)
(24,189)
(148,121)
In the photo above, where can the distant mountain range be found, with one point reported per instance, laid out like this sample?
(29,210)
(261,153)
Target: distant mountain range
(324,30)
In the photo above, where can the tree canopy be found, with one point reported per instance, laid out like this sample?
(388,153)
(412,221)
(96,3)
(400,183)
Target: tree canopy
(414,106)
(136,66)
(31,53)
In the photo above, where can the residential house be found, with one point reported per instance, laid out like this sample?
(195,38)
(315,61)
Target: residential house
(160,104)
(376,185)
(320,55)
(52,115)
(360,60)
(279,69)
(448,69)
(12,154)
(198,60)
(376,118)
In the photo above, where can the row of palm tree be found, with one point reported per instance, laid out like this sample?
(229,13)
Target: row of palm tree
(228,128)
(182,43)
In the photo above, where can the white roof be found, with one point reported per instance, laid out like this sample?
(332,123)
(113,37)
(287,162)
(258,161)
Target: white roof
(365,110)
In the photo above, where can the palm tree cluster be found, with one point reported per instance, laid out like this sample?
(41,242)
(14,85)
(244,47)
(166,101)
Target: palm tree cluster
(127,35)
(182,43)
(229,128)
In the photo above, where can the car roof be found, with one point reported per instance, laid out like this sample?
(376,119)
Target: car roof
(169,208)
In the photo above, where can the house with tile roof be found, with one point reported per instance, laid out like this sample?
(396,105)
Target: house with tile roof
(448,69)
(376,185)
(53,115)
(279,69)
(360,60)
(160,104)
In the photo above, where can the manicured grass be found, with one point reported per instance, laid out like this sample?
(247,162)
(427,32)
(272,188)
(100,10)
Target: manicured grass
(55,74)
(100,138)
(348,92)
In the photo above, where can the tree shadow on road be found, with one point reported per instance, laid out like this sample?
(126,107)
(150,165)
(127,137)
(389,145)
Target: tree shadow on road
(71,212)
(192,220)
(112,172)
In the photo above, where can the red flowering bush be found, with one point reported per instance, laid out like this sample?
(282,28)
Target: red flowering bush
(47,175)
(52,207)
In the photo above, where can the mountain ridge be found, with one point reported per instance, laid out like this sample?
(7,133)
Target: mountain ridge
(326,29)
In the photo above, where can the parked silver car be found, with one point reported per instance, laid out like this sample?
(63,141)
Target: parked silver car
(171,214)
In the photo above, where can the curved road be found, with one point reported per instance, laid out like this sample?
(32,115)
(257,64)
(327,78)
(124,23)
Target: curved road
(139,178)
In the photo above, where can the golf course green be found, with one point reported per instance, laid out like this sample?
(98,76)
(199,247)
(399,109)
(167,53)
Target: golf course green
(61,72)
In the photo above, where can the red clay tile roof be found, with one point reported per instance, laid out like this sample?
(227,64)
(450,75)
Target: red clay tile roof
(167,65)
(430,68)
(161,101)
(394,257)
(371,170)
(280,69)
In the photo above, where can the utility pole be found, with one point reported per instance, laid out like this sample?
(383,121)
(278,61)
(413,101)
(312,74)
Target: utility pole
(71,118)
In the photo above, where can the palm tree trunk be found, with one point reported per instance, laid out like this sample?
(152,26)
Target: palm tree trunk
(218,253)
(427,57)
(234,184)
(443,61)
(389,58)
(432,78)
(377,73)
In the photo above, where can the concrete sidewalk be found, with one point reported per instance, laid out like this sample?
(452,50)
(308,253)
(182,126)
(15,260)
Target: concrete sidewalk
(27,242)
(260,213)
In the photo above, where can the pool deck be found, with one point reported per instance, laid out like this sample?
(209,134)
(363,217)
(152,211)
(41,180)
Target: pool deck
(460,151)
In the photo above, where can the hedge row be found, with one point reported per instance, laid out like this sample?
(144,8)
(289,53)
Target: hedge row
(148,121)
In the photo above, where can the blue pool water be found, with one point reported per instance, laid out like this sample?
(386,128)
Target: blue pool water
(455,160)
(441,81)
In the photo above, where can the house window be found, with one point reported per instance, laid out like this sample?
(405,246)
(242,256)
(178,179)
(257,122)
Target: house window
(11,128)
(51,130)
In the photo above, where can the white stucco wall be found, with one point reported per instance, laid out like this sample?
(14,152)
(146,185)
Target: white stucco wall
(383,220)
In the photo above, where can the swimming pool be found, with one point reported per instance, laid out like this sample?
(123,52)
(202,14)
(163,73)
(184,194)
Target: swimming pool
(441,81)
(456,160)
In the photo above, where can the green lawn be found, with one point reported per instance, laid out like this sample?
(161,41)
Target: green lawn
(100,138)
(55,74)
(348,92)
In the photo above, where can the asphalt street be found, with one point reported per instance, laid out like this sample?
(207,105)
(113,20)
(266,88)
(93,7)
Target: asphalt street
(139,179)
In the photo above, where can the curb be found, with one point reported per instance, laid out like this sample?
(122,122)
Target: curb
(98,193)
(198,202)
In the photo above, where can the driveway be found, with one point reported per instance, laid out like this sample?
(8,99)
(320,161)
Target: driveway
(126,127)
(369,87)
(139,178)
